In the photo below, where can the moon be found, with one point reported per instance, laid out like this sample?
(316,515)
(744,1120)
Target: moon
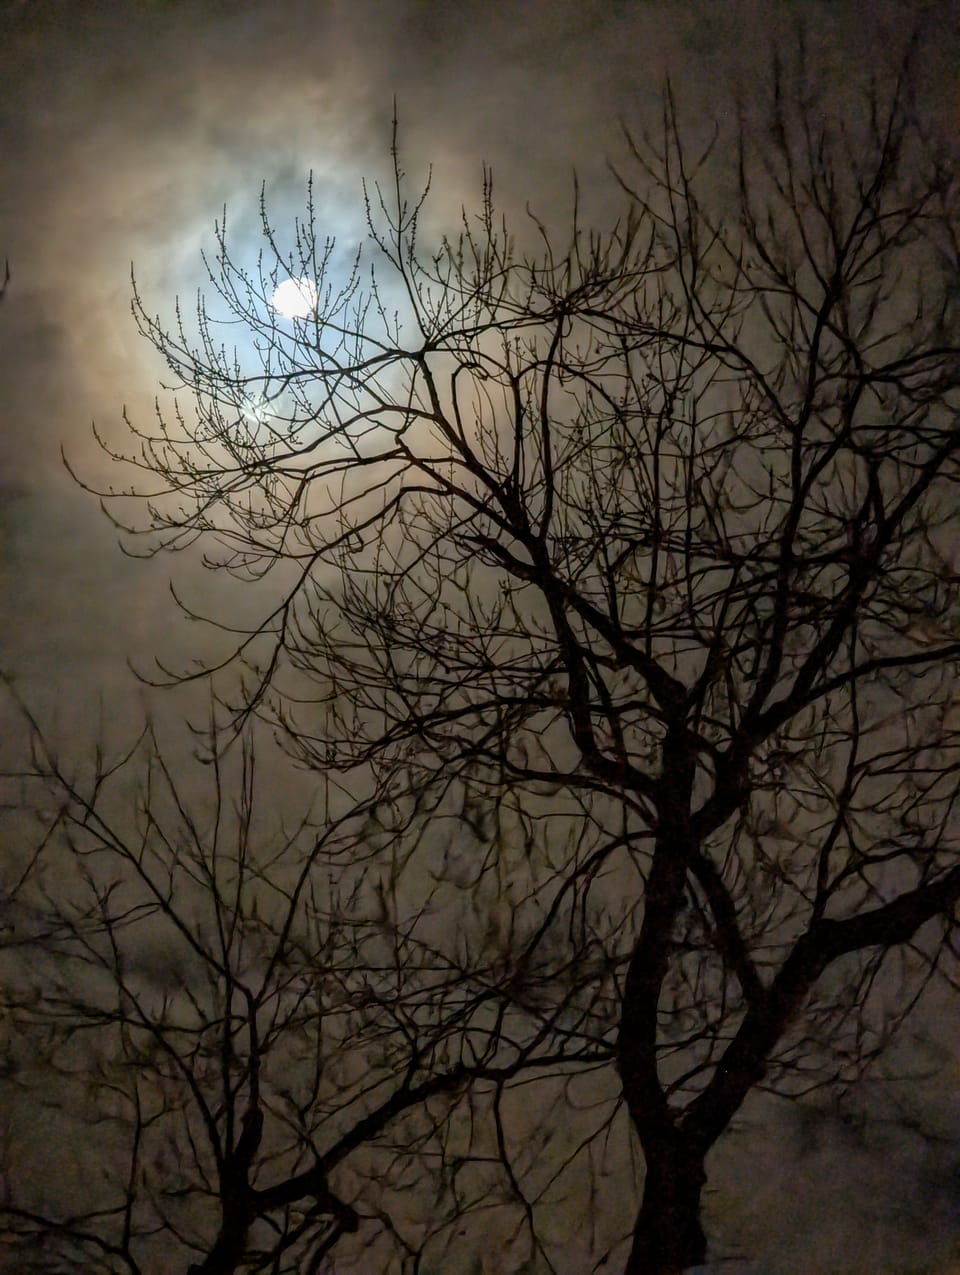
(295,298)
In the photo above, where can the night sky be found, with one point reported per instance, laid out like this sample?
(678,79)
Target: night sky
(124,130)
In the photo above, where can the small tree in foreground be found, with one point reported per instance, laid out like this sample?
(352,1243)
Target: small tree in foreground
(226,1018)
(648,539)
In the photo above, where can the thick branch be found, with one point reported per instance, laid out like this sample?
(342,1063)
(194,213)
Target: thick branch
(745,1061)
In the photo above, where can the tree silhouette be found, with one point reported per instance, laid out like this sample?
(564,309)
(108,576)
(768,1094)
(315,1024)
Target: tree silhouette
(226,1019)
(643,544)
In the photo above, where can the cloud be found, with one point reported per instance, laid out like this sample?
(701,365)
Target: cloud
(125,129)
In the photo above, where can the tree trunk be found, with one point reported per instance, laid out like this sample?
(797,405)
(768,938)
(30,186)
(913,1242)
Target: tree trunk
(668,1236)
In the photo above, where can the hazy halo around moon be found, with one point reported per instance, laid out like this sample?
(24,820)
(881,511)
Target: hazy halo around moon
(295,298)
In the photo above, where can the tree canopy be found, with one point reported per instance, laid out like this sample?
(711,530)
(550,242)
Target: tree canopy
(618,573)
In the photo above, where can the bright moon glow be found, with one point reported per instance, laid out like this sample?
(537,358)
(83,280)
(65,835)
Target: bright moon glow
(295,298)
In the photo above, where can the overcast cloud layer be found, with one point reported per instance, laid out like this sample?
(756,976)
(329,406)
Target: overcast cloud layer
(124,130)
(126,127)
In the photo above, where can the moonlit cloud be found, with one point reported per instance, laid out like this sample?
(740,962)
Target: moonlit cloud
(125,129)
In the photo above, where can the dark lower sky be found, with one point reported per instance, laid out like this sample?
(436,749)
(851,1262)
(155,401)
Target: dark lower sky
(124,130)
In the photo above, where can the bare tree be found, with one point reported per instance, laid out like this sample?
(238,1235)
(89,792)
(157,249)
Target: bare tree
(651,536)
(225,1022)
